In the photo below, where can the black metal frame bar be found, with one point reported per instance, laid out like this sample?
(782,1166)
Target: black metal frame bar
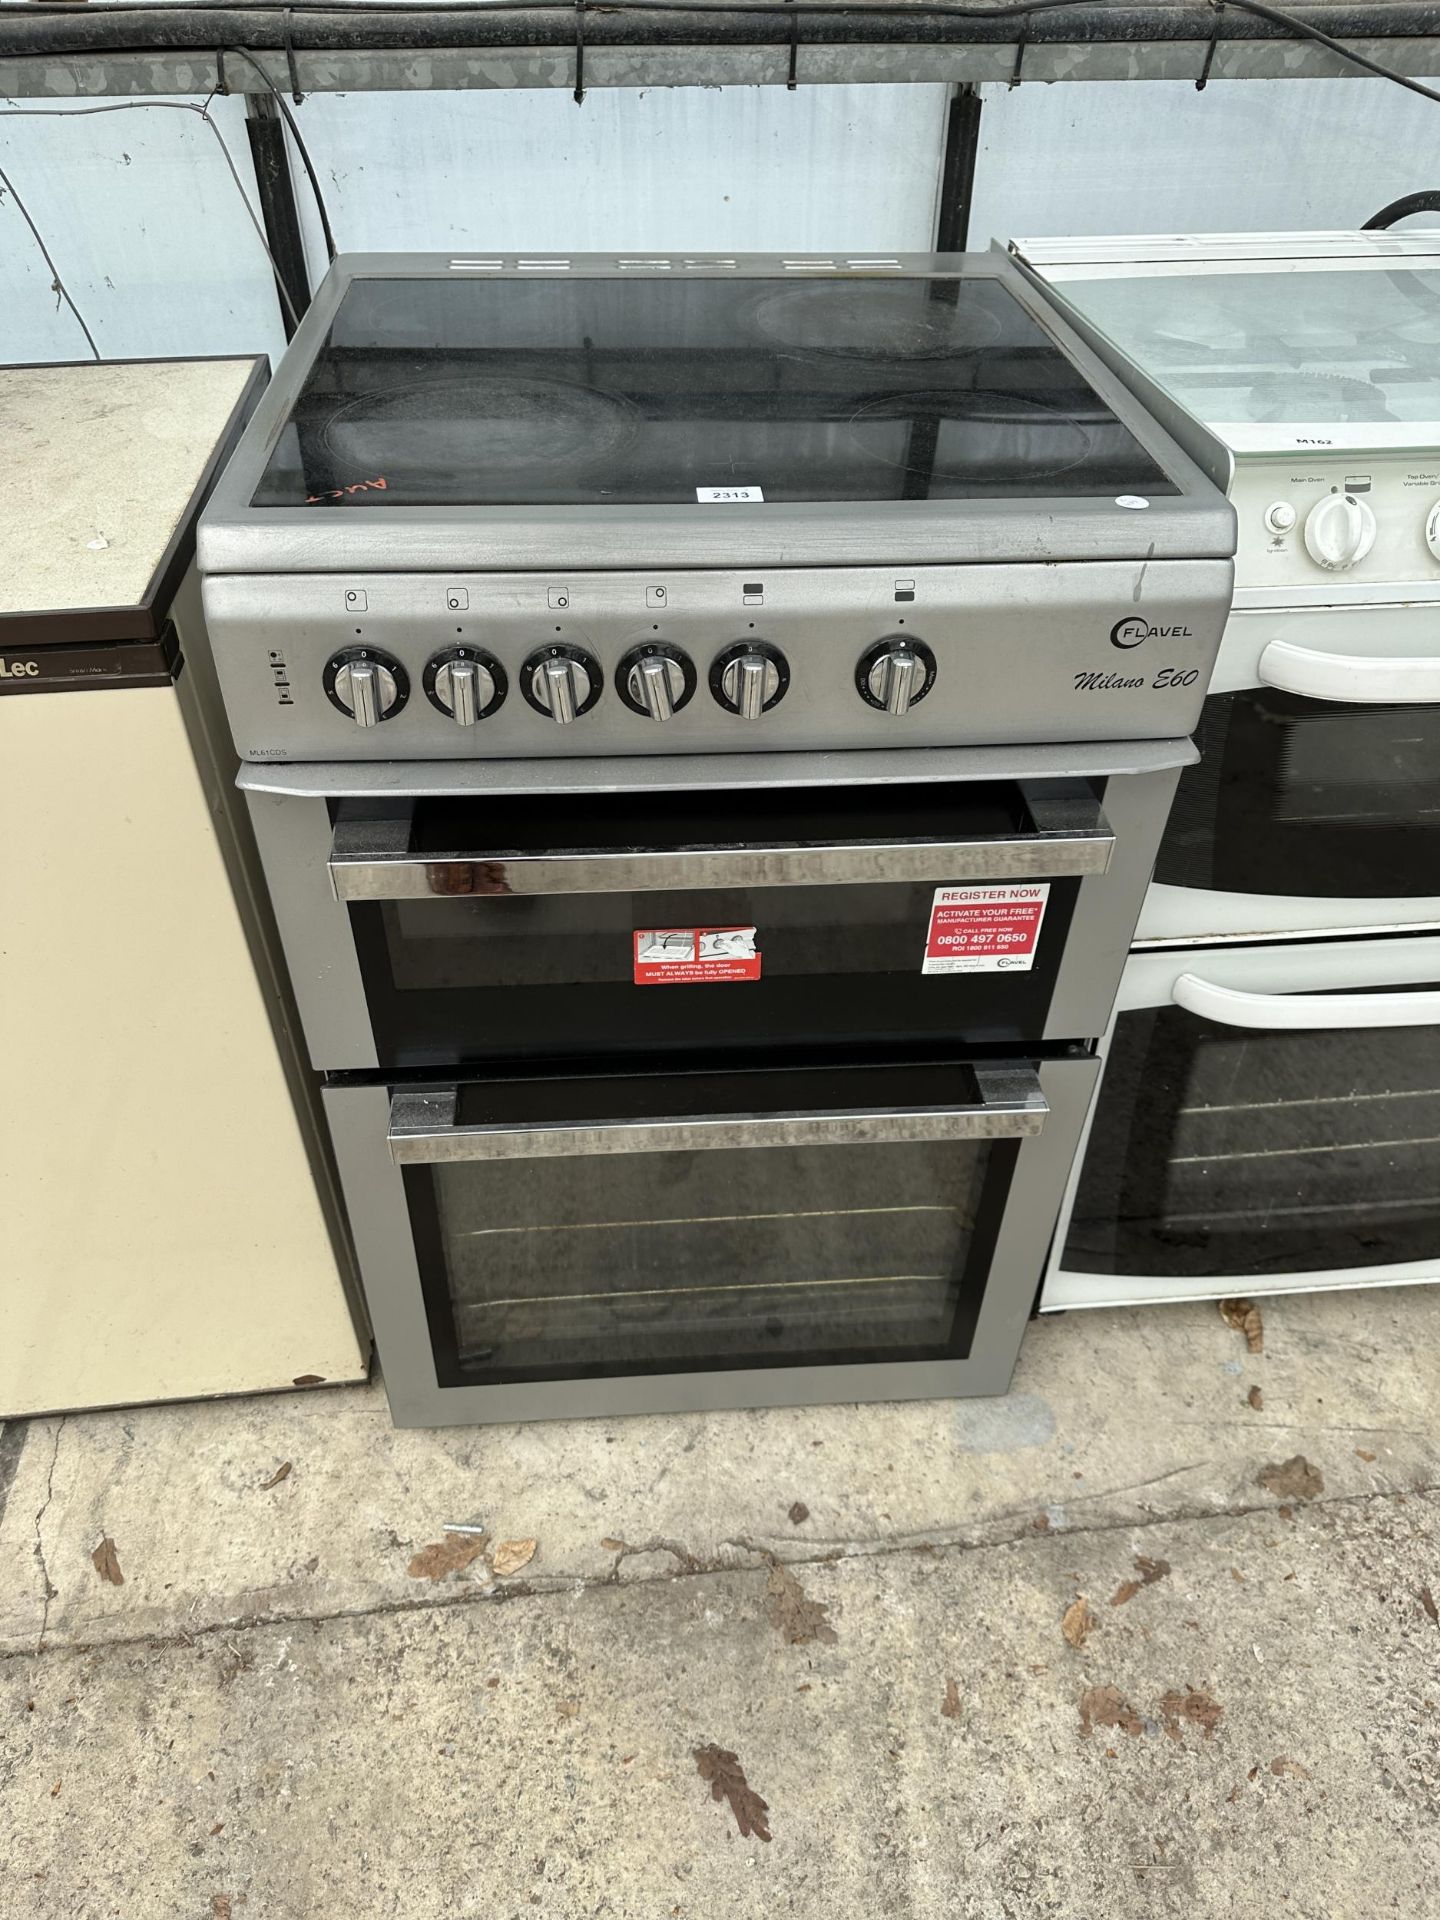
(270,155)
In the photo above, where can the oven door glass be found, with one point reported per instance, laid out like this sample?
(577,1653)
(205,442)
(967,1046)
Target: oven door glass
(1218,1150)
(1296,796)
(575,1229)
(499,930)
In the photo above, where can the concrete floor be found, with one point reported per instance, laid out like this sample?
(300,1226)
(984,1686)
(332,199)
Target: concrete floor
(272,1717)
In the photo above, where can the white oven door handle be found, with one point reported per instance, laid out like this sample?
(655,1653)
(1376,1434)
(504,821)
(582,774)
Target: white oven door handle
(1303,1012)
(423,1128)
(1349,677)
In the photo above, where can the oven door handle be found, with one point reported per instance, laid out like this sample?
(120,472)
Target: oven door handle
(371,860)
(1303,1012)
(424,1130)
(1350,677)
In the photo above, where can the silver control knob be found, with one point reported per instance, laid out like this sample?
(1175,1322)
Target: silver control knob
(895,679)
(561,688)
(465,689)
(656,683)
(749,683)
(367,690)
(895,674)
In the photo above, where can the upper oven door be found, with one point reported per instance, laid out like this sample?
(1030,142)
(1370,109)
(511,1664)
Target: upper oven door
(1316,804)
(542,928)
(485,927)
(1267,1122)
(518,911)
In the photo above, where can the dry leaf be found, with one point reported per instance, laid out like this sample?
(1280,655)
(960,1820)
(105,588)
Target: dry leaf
(1149,1570)
(1077,1622)
(1292,1479)
(1427,1600)
(727,1781)
(1244,1316)
(1361,1454)
(1108,1707)
(799,1512)
(1237,1576)
(1281,1766)
(612,1546)
(797,1619)
(220,1906)
(106,1563)
(449,1555)
(1192,1705)
(219,1827)
(511,1555)
(308,1380)
(567,1709)
(1256,1399)
(55,1789)
(282,1472)
(950,1705)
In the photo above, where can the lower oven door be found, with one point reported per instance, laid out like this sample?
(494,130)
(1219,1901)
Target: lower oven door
(1315,807)
(547,1248)
(1268,1121)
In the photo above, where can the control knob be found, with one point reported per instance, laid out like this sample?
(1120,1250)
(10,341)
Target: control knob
(466,684)
(655,680)
(895,674)
(561,682)
(366,685)
(750,678)
(1339,531)
(1432,530)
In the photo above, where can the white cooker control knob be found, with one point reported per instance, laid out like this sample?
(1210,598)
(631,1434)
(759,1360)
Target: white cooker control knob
(366,685)
(1339,531)
(561,682)
(1432,530)
(1280,517)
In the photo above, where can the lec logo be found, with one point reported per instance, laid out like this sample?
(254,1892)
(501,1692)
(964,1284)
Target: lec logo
(19,669)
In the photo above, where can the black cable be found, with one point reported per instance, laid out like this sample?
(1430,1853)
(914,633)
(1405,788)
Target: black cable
(1278,17)
(243,53)
(56,282)
(1402,208)
(162,106)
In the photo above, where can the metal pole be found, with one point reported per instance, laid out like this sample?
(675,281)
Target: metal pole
(957,171)
(271,157)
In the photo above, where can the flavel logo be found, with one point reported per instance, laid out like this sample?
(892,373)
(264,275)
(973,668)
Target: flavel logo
(1130,631)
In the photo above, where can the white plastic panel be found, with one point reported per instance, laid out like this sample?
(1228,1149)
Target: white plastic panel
(1115,157)
(147,229)
(688,169)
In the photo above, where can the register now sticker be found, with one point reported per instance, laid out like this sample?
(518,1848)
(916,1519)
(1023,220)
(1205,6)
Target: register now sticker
(985,929)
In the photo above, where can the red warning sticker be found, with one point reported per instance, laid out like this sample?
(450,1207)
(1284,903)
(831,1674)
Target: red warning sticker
(985,929)
(677,955)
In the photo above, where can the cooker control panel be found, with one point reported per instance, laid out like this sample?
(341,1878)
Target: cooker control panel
(420,667)
(1324,520)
